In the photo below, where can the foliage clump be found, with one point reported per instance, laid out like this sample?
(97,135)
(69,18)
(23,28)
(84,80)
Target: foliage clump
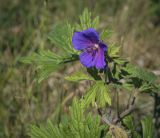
(120,74)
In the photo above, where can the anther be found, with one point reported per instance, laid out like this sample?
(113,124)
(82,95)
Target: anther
(96,46)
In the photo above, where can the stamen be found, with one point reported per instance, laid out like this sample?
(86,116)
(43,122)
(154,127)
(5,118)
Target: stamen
(96,46)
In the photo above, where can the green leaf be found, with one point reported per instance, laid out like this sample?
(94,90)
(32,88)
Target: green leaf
(76,110)
(147,127)
(41,57)
(128,86)
(136,135)
(78,76)
(77,125)
(86,21)
(83,126)
(113,50)
(48,131)
(103,96)
(95,22)
(46,62)
(61,37)
(99,92)
(89,98)
(119,60)
(94,126)
(157,88)
(142,74)
(145,87)
(128,121)
(106,34)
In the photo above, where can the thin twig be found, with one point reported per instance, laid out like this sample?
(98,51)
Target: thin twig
(129,99)
(67,98)
(110,111)
(156,72)
(130,108)
(123,114)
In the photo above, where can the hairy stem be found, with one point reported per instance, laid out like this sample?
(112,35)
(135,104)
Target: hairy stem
(103,117)
(117,104)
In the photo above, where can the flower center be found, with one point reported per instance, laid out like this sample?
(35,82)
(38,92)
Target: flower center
(95,46)
(92,50)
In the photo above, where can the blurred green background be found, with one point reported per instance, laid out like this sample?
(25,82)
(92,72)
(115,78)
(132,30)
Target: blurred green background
(24,25)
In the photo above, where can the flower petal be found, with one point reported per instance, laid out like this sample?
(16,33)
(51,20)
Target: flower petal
(99,61)
(84,39)
(103,46)
(86,59)
(92,35)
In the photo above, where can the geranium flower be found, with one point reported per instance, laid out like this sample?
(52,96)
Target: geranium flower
(93,49)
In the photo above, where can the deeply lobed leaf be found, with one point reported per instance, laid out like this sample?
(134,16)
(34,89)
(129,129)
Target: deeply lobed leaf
(147,127)
(99,92)
(61,37)
(86,21)
(78,76)
(140,73)
(77,126)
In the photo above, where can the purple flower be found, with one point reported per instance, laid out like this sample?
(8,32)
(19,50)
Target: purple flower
(93,49)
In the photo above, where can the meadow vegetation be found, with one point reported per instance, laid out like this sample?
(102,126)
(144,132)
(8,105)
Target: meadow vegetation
(24,27)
